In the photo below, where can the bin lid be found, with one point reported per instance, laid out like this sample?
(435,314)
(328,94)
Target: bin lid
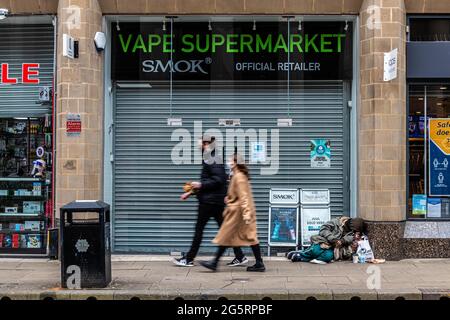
(85,205)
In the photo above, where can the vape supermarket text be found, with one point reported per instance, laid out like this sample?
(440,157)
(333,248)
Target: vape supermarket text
(232,43)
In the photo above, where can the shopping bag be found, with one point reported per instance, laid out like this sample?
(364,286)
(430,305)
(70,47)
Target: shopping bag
(364,248)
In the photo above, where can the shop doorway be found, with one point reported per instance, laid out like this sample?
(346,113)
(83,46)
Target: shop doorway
(427,102)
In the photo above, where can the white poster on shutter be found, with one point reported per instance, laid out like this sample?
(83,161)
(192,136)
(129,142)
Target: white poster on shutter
(258,152)
(312,219)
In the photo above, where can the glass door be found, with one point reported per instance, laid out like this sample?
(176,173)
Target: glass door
(429,167)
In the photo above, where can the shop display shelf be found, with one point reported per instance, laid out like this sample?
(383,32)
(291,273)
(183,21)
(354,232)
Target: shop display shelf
(20,135)
(37,198)
(7,231)
(21,179)
(12,251)
(20,216)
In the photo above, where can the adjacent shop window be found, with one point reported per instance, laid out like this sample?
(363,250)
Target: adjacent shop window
(25,188)
(429,151)
(26,206)
(426,29)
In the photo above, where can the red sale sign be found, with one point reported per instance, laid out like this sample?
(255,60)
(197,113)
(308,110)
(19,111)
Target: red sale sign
(30,74)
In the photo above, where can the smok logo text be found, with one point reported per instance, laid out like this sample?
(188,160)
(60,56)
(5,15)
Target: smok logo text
(181,66)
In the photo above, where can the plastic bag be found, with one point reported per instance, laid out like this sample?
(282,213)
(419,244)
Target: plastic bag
(365,249)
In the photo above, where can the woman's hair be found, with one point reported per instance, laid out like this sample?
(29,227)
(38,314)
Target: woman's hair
(240,164)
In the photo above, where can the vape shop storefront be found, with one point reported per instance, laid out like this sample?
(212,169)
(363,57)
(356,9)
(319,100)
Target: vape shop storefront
(273,89)
(26,80)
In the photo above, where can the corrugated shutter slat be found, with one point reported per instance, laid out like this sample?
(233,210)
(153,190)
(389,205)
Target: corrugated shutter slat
(25,44)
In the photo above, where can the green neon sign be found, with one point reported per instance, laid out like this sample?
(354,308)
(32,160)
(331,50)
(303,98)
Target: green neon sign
(234,43)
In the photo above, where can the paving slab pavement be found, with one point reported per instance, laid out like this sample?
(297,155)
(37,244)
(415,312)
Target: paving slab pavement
(155,277)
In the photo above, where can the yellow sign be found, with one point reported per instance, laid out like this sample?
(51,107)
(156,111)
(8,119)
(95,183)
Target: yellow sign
(440,134)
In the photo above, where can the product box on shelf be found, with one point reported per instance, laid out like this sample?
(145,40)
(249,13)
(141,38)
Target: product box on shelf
(37,189)
(11,209)
(15,242)
(23,241)
(33,241)
(17,226)
(3,193)
(32,225)
(31,207)
(7,241)
(23,192)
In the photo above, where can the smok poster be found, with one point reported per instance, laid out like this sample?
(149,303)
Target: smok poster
(283,226)
(320,153)
(439,157)
(312,220)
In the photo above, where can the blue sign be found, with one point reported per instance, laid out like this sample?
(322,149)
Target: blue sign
(419,204)
(439,157)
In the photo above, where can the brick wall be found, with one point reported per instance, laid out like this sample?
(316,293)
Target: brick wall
(382,114)
(80,90)
(224,6)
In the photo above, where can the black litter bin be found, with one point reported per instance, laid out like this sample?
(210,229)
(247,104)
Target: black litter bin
(85,245)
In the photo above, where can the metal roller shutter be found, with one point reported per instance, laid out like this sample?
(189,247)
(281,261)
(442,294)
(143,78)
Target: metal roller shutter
(25,44)
(148,215)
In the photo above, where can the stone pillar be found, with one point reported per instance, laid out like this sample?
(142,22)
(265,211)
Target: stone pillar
(382,125)
(79,160)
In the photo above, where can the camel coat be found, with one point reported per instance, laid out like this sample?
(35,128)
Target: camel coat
(234,232)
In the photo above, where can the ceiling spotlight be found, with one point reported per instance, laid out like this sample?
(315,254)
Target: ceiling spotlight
(117,25)
(443,88)
(164,25)
(3,13)
(209,25)
(346,25)
(254,25)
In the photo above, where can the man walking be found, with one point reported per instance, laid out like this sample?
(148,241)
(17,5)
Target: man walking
(211,191)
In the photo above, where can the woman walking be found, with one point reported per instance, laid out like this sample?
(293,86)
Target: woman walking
(239,225)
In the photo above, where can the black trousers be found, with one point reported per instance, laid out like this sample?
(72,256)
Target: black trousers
(205,212)
(255,248)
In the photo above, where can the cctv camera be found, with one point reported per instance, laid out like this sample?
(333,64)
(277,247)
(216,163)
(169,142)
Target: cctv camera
(3,13)
(100,41)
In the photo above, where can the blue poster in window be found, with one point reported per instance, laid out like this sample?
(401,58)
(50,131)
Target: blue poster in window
(283,226)
(439,157)
(320,153)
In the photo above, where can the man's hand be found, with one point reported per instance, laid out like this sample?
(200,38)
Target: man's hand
(196,185)
(338,244)
(185,195)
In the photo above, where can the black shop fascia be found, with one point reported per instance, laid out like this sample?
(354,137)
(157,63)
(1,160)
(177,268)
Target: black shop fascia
(232,51)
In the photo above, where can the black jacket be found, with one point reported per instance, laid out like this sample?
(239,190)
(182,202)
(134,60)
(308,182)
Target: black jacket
(214,184)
